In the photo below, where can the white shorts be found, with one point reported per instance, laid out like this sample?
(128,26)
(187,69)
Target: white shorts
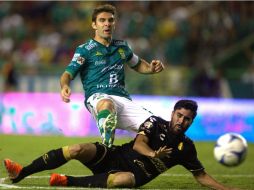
(130,115)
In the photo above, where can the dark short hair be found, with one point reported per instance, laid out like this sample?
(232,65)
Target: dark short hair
(187,104)
(103,8)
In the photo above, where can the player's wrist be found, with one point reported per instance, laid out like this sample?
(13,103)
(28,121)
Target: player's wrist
(65,86)
(155,154)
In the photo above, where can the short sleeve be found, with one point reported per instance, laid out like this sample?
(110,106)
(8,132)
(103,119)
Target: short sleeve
(148,127)
(133,59)
(191,161)
(77,62)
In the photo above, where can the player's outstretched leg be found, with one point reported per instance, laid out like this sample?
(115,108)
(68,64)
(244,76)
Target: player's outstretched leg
(50,160)
(97,180)
(13,169)
(106,122)
(57,180)
(102,180)
(109,127)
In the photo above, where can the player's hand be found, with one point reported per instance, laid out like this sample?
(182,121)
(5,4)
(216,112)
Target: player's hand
(156,66)
(66,93)
(163,152)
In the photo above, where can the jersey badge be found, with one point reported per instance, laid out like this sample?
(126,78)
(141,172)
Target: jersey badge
(148,124)
(180,146)
(122,54)
(80,60)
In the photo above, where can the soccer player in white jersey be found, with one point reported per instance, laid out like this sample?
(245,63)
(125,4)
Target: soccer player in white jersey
(100,62)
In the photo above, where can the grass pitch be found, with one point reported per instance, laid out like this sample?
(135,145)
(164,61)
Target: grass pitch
(24,149)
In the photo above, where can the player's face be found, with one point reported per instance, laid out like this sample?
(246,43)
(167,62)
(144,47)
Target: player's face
(181,119)
(104,25)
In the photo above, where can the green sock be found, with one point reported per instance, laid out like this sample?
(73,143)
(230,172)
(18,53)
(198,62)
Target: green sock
(102,115)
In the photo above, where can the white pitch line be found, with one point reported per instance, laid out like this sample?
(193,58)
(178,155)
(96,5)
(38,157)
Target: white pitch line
(215,175)
(2,180)
(74,188)
(2,186)
(8,186)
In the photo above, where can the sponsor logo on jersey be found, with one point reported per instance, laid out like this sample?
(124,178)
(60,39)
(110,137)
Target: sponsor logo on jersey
(100,62)
(122,54)
(162,137)
(75,56)
(119,42)
(152,119)
(141,165)
(112,67)
(45,158)
(158,164)
(110,86)
(98,53)
(91,45)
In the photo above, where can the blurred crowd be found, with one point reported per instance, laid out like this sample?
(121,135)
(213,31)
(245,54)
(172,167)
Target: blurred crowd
(38,37)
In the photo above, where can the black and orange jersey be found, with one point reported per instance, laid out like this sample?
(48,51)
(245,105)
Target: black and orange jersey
(125,158)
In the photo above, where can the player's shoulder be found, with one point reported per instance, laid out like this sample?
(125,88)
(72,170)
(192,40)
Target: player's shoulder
(153,123)
(188,140)
(88,45)
(156,120)
(118,42)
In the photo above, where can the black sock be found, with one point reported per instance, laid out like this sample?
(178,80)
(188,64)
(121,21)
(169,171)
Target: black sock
(50,160)
(97,180)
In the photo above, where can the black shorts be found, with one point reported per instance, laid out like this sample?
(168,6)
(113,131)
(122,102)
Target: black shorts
(111,160)
(103,161)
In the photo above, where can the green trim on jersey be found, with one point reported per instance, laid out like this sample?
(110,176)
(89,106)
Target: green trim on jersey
(101,68)
(69,73)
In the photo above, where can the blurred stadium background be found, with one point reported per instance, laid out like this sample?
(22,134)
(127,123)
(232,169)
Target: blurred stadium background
(209,44)
(207,48)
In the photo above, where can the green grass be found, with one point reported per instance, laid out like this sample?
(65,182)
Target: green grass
(24,149)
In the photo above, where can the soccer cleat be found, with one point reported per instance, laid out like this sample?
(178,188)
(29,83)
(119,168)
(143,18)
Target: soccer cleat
(13,169)
(108,130)
(57,180)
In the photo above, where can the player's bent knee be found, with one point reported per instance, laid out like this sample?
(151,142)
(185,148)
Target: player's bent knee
(121,179)
(75,150)
(82,152)
(78,150)
(106,104)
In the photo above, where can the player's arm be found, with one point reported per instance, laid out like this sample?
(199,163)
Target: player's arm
(142,147)
(206,180)
(144,67)
(65,80)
